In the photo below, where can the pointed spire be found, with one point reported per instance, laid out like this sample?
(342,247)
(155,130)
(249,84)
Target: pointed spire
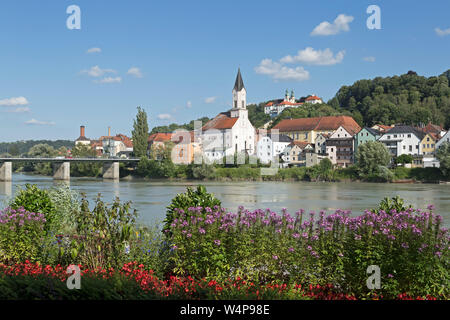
(239,84)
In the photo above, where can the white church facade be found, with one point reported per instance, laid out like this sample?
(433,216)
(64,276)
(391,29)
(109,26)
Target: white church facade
(230,132)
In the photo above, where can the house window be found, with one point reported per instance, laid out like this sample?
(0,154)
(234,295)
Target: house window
(235,103)
(428,139)
(410,148)
(243,107)
(409,135)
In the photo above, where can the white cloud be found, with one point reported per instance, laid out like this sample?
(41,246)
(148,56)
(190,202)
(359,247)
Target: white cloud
(441,32)
(341,23)
(39,123)
(369,59)
(15,101)
(279,72)
(188,104)
(317,57)
(94,50)
(135,72)
(210,99)
(164,116)
(109,80)
(96,71)
(18,110)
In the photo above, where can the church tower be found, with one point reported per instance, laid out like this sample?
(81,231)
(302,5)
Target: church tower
(239,97)
(239,93)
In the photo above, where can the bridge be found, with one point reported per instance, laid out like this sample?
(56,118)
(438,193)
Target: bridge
(61,166)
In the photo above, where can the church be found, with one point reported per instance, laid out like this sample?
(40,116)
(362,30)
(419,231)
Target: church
(230,132)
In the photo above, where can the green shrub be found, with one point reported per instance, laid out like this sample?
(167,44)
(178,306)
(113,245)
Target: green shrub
(184,201)
(102,234)
(148,247)
(21,235)
(35,200)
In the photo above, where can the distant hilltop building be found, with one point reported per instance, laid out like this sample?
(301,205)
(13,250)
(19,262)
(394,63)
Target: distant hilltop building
(230,132)
(275,107)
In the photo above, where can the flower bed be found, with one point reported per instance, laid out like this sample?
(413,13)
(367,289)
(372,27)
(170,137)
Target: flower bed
(33,281)
(409,247)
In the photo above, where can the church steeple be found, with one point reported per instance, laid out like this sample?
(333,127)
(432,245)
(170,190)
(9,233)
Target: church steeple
(239,93)
(238,84)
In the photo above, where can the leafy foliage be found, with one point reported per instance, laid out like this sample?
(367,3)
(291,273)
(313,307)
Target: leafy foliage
(370,156)
(443,154)
(140,134)
(409,99)
(35,200)
(191,198)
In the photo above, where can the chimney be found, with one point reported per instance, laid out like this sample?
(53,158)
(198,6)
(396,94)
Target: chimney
(81,131)
(109,131)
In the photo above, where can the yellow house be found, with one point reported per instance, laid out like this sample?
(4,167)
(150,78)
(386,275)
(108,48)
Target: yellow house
(307,129)
(428,144)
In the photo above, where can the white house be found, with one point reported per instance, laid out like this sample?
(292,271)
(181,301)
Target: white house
(271,146)
(445,138)
(320,145)
(230,132)
(117,146)
(313,99)
(340,146)
(403,140)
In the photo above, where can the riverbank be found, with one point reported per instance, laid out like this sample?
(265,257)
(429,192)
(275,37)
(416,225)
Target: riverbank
(190,173)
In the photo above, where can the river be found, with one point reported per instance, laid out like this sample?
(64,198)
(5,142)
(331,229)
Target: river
(151,197)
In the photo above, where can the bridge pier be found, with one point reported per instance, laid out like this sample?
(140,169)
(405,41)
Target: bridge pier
(111,170)
(61,170)
(6,171)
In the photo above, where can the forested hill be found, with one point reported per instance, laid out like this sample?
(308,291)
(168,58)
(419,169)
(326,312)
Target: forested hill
(21,147)
(409,99)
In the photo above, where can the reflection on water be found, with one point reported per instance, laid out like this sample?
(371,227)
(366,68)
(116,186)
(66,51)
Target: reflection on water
(5,188)
(150,198)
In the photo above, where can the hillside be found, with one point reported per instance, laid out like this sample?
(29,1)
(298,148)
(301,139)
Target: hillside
(21,147)
(409,99)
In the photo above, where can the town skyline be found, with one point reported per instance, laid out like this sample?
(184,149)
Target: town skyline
(55,79)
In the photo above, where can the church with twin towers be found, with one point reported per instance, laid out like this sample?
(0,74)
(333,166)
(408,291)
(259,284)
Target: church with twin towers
(230,132)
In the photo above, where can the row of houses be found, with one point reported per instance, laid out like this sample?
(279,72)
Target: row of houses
(292,142)
(338,139)
(112,146)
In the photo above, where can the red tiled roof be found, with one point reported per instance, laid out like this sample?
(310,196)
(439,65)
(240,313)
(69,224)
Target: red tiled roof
(221,121)
(160,136)
(312,98)
(290,103)
(432,128)
(269,104)
(318,124)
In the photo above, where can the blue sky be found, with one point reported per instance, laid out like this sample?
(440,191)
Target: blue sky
(178,59)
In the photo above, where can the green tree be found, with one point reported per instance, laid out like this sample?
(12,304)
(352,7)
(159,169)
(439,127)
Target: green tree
(404,158)
(370,156)
(140,134)
(41,151)
(443,155)
(84,169)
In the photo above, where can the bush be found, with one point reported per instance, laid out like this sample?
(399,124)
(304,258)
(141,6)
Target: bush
(35,200)
(184,201)
(21,235)
(102,234)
